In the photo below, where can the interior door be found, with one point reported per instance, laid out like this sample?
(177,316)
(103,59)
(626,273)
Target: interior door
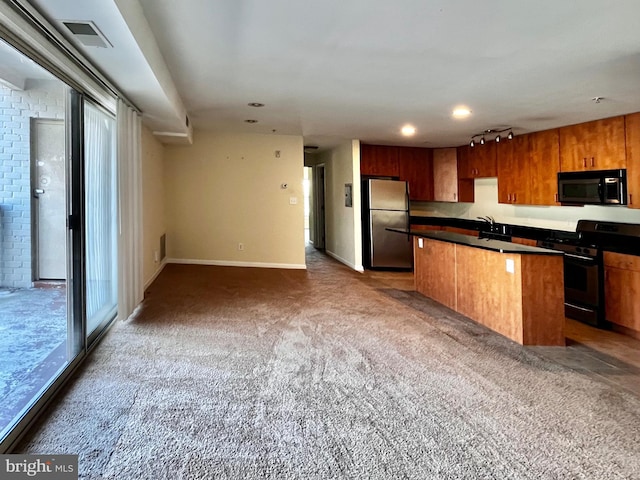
(320,207)
(48,189)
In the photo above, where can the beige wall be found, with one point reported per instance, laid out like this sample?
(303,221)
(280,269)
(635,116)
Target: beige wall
(343,224)
(225,189)
(153,203)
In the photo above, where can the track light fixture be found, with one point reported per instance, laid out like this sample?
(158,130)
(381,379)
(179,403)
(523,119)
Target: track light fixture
(489,131)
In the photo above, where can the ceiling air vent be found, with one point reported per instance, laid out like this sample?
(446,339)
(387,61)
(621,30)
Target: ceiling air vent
(87,34)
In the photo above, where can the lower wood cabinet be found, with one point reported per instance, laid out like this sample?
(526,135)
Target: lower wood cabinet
(622,289)
(523,301)
(435,277)
(525,305)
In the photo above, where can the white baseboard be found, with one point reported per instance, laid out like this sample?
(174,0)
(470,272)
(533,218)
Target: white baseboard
(155,275)
(357,268)
(230,263)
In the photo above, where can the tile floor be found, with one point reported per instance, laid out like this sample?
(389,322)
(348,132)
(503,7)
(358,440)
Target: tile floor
(603,354)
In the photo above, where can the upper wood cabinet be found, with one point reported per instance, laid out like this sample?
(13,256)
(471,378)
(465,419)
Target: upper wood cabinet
(544,165)
(597,145)
(415,166)
(479,161)
(379,160)
(622,289)
(633,159)
(447,186)
(514,179)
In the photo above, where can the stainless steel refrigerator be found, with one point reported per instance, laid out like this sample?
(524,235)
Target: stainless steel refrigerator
(386,204)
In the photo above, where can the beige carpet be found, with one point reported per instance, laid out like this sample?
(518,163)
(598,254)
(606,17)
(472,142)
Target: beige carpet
(320,374)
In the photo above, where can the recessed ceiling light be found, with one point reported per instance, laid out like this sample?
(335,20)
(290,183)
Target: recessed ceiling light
(251,121)
(461,112)
(256,104)
(408,130)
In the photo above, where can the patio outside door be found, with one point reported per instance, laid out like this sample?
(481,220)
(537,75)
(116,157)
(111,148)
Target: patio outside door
(48,188)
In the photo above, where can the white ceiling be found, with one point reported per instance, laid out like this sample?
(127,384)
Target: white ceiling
(333,69)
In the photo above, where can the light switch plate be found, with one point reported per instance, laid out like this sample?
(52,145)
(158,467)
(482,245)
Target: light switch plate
(511,266)
(420,243)
(293,200)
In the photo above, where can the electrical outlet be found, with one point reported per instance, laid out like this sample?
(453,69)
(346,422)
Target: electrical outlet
(241,246)
(420,243)
(156,256)
(293,200)
(510,266)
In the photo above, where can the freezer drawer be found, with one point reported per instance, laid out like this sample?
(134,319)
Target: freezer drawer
(389,249)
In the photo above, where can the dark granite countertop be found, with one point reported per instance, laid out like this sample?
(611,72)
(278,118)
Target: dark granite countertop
(532,233)
(470,241)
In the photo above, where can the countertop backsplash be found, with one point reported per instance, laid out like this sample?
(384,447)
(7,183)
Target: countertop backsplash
(556,218)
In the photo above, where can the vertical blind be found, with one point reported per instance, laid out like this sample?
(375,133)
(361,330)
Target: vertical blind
(100,217)
(131,290)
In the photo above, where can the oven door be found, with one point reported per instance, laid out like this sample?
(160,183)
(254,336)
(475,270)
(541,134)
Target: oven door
(582,288)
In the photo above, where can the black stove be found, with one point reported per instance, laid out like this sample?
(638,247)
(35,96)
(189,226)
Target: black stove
(583,264)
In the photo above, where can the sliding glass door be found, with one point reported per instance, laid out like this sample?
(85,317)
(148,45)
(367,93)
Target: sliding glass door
(58,235)
(38,328)
(101,215)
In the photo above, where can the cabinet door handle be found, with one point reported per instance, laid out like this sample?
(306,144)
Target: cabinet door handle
(593,162)
(508,197)
(455,196)
(514,198)
(556,198)
(584,162)
(631,199)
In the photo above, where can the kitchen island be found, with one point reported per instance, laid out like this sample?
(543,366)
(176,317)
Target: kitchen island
(515,290)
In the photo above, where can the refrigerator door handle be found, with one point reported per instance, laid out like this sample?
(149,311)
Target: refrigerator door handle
(408,214)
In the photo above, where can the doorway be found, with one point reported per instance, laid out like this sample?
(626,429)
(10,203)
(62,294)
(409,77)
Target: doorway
(48,187)
(319,197)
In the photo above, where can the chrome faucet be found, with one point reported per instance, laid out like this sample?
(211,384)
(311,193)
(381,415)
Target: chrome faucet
(490,220)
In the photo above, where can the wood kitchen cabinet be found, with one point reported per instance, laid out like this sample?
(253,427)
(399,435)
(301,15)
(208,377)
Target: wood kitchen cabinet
(513,170)
(524,305)
(622,290)
(447,186)
(379,161)
(435,278)
(597,145)
(544,165)
(415,165)
(632,130)
(479,161)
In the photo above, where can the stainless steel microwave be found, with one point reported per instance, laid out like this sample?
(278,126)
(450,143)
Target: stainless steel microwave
(595,187)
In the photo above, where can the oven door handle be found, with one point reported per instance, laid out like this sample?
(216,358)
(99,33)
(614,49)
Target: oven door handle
(580,257)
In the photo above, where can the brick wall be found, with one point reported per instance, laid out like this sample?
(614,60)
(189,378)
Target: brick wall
(43,99)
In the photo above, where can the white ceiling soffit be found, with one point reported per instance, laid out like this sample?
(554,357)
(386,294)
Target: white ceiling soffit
(337,70)
(363,68)
(133,62)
